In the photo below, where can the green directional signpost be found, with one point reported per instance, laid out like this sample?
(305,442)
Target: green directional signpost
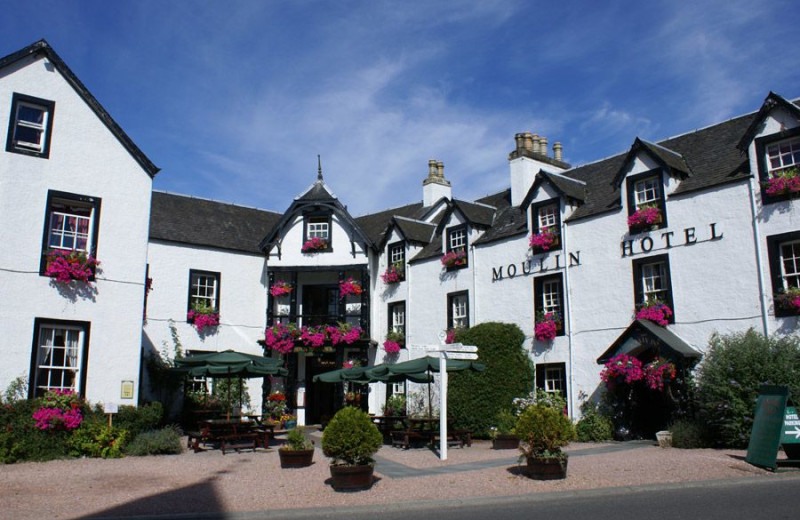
(775,424)
(790,433)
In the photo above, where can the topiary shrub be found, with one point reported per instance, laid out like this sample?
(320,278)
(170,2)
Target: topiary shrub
(475,398)
(166,441)
(543,431)
(351,438)
(140,419)
(729,378)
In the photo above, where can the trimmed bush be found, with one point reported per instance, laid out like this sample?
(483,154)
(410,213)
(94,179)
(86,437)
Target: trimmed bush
(543,431)
(139,420)
(729,378)
(97,439)
(351,437)
(593,426)
(688,434)
(475,398)
(166,441)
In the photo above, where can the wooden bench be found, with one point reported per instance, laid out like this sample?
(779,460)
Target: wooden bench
(228,436)
(406,438)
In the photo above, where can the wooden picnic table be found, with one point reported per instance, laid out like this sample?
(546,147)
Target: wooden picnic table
(230,434)
(388,423)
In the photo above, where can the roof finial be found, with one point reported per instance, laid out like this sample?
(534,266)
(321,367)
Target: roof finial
(319,168)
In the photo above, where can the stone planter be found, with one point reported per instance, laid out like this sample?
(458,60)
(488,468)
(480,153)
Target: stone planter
(505,441)
(547,469)
(296,458)
(351,478)
(664,438)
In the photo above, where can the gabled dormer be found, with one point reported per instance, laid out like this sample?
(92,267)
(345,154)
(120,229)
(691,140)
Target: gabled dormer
(772,143)
(401,237)
(648,174)
(550,200)
(315,225)
(528,158)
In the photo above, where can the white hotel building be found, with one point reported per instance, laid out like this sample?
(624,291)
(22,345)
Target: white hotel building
(720,253)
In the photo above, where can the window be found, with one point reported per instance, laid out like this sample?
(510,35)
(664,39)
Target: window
(778,159)
(458,310)
(783,155)
(551,377)
(651,282)
(784,262)
(59,356)
(548,297)
(397,317)
(317,231)
(30,126)
(204,291)
(197,384)
(70,224)
(646,192)
(546,218)
(457,242)
(397,254)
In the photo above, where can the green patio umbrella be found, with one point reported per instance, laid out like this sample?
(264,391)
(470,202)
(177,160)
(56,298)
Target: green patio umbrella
(365,375)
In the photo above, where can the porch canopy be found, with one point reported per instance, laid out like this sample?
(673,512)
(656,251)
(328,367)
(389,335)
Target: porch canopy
(645,337)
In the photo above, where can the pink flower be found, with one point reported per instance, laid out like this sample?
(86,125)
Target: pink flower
(391,347)
(202,320)
(645,216)
(393,274)
(280,288)
(546,327)
(622,368)
(280,338)
(658,371)
(543,241)
(655,312)
(450,336)
(314,244)
(64,266)
(313,337)
(454,258)
(349,286)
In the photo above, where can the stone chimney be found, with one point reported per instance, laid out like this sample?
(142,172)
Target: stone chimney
(530,156)
(558,152)
(435,186)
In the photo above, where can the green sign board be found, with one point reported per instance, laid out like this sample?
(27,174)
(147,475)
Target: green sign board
(790,433)
(765,438)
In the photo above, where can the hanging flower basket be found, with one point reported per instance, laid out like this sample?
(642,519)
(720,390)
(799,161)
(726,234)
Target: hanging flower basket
(343,333)
(203,317)
(393,274)
(789,300)
(646,217)
(786,182)
(280,338)
(349,286)
(656,312)
(622,369)
(453,259)
(394,342)
(314,245)
(280,288)
(547,326)
(544,241)
(66,266)
(658,372)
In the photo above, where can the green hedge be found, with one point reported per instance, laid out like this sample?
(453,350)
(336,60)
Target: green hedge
(475,398)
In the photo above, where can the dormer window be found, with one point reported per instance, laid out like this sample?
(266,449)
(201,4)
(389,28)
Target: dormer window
(317,234)
(546,233)
(779,165)
(456,243)
(30,126)
(646,207)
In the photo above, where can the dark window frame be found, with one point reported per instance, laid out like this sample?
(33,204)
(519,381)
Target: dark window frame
(54,197)
(38,323)
(200,272)
(774,256)
(638,287)
(630,183)
(399,245)
(317,214)
(465,247)
(390,322)
(763,168)
(50,107)
(541,369)
(450,297)
(538,297)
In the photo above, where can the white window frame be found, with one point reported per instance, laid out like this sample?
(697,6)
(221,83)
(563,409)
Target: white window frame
(783,155)
(65,227)
(41,128)
(547,217)
(647,191)
(457,239)
(790,274)
(398,318)
(554,375)
(318,227)
(200,290)
(460,310)
(654,278)
(551,298)
(397,255)
(71,354)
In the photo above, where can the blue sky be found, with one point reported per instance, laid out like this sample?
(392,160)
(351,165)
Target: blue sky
(233,100)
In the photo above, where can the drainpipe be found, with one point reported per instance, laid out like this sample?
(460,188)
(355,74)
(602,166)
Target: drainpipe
(568,319)
(759,266)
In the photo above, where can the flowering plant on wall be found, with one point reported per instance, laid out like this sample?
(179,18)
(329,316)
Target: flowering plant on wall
(65,266)
(393,274)
(655,311)
(313,337)
(648,215)
(60,411)
(622,369)
(544,241)
(657,372)
(203,316)
(280,288)
(789,299)
(343,333)
(394,341)
(450,336)
(784,182)
(280,338)
(313,245)
(547,326)
(455,258)
(349,286)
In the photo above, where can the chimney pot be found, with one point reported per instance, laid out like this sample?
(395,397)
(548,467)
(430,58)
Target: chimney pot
(528,141)
(558,151)
(519,139)
(536,147)
(543,145)
(432,168)
(440,168)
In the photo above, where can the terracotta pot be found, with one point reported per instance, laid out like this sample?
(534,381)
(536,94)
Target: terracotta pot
(351,478)
(296,458)
(505,441)
(547,468)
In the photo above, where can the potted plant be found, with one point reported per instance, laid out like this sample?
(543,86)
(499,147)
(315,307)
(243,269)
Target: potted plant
(547,326)
(297,451)
(454,259)
(503,437)
(543,430)
(351,439)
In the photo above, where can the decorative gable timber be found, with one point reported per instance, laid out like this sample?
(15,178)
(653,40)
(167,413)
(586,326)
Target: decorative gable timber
(43,49)
(671,161)
(413,231)
(571,189)
(771,102)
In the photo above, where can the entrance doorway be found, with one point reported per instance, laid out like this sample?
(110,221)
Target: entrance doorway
(320,305)
(320,397)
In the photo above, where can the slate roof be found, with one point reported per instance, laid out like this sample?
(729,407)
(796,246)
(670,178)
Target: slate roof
(375,225)
(415,230)
(43,48)
(201,222)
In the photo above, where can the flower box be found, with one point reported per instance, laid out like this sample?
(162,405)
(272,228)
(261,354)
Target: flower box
(656,312)
(202,319)
(393,274)
(65,266)
(786,182)
(545,241)
(547,326)
(279,289)
(314,245)
(348,287)
(789,300)
(454,259)
(647,217)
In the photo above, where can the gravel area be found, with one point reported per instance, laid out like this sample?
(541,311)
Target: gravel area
(254,481)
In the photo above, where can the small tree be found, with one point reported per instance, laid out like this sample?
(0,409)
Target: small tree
(729,378)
